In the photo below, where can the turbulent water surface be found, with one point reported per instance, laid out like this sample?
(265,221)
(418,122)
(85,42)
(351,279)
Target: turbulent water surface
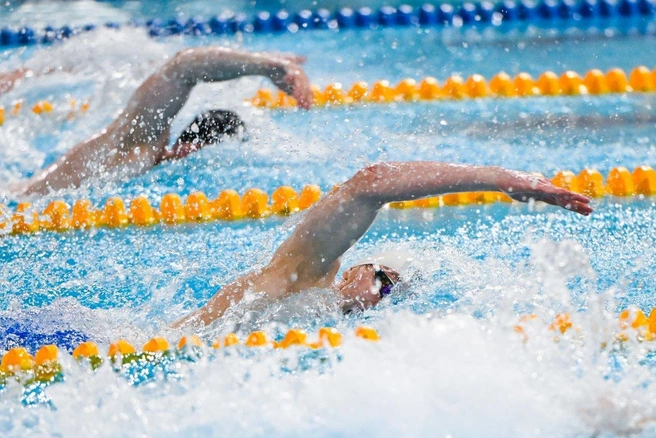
(450,361)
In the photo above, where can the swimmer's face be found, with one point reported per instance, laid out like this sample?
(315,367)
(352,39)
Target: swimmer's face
(359,288)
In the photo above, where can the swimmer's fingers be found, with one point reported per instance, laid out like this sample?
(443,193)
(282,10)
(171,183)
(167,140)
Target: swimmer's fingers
(295,83)
(559,197)
(292,57)
(298,85)
(579,207)
(574,202)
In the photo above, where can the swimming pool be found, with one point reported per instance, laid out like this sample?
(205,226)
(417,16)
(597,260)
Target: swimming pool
(449,362)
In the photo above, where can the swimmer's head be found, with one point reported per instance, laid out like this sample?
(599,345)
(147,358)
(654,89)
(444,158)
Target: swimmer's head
(372,279)
(209,128)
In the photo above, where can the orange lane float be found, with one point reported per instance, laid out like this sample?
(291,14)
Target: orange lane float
(633,324)
(44,365)
(44,108)
(256,204)
(501,85)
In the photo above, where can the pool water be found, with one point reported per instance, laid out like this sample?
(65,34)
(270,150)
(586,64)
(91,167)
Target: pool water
(449,362)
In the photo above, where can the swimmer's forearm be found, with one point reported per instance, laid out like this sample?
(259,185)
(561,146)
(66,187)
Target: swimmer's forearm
(230,295)
(398,181)
(213,64)
(215,308)
(382,183)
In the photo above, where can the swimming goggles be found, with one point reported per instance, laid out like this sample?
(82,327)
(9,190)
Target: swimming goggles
(386,283)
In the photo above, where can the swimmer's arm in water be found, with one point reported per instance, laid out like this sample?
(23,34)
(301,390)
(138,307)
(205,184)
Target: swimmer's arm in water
(137,139)
(310,256)
(9,79)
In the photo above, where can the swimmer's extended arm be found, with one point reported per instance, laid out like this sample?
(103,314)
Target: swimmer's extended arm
(340,219)
(137,139)
(336,222)
(9,79)
(159,99)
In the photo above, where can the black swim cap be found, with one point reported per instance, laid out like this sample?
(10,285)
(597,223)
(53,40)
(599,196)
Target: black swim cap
(211,127)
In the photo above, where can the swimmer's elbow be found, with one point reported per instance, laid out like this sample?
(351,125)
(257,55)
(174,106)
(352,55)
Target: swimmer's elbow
(367,183)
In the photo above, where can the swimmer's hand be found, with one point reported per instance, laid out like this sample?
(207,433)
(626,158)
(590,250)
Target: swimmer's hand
(291,79)
(523,187)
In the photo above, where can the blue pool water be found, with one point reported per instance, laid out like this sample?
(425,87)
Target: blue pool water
(449,362)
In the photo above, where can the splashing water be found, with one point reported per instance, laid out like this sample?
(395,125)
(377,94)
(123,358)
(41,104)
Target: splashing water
(450,361)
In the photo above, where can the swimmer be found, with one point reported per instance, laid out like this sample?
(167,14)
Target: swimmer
(137,140)
(310,257)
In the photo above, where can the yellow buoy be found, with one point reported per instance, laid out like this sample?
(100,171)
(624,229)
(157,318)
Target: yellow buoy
(454,88)
(310,194)
(476,86)
(254,203)
(46,354)
(633,317)
(231,339)
(257,339)
(566,180)
(595,82)
(114,214)
(156,345)
(172,209)
(15,360)
(331,336)
(227,206)
(502,85)
(56,216)
(358,92)
(525,85)
(571,83)
(548,84)
(381,92)
(120,347)
(590,183)
(620,182)
(641,80)
(264,98)
(25,219)
(334,94)
(86,349)
(406,90)
(644,180)
(318,99)
(83,215)
(366,332)
(285,200)
(190,341)
(429,89)
(617,81)
(197,207)
(141,212)
(293,337)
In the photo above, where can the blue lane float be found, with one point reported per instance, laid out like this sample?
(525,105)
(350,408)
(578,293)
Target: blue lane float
(469,13)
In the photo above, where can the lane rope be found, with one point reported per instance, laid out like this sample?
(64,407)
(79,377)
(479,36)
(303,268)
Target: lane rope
(44,367)
(255,203)
(428,15)
(594,82)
